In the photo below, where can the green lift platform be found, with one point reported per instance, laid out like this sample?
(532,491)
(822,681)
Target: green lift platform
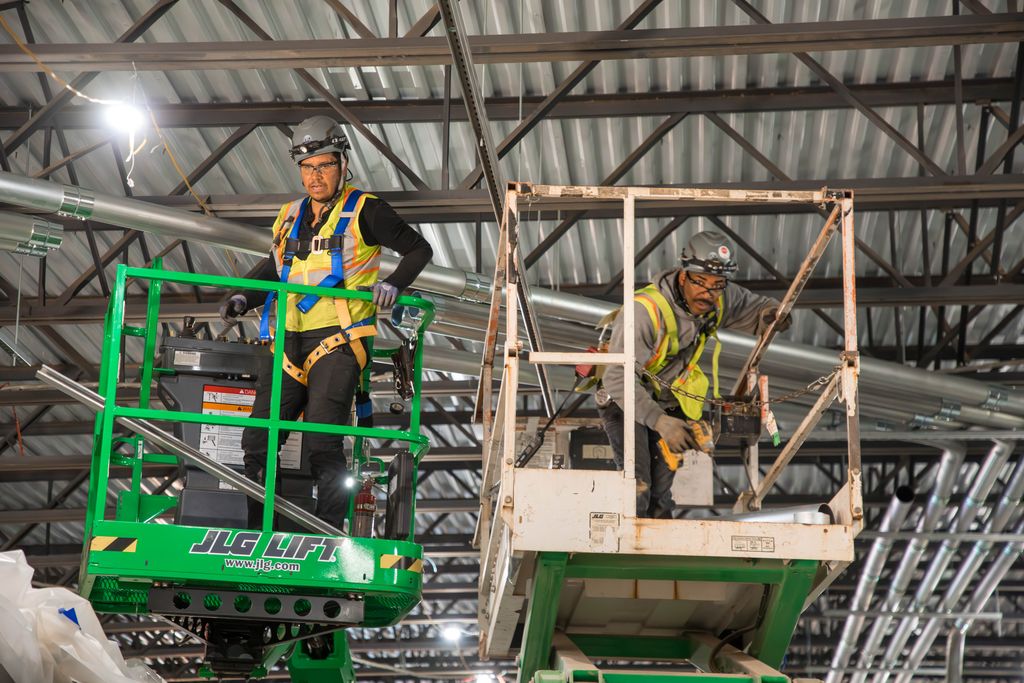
(574,585)
(259,595)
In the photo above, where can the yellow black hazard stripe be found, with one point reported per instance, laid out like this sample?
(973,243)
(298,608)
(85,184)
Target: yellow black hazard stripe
(114,544)
(410,564)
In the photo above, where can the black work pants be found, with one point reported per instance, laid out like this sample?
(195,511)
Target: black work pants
(653,477)
(326,398)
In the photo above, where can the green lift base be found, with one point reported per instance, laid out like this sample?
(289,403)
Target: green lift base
(787,585)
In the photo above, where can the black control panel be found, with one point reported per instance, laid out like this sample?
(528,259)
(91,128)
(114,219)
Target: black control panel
(219,377)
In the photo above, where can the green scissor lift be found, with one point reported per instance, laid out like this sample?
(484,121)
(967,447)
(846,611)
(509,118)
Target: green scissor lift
(253,596)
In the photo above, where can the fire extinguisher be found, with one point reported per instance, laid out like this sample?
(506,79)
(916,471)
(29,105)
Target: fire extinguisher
(365,509)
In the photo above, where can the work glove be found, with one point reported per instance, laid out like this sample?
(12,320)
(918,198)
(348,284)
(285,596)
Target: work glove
(384,294)
(676,433)
(233,307)
(770,314)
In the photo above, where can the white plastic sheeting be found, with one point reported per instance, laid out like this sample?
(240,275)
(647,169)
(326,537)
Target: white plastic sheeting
(52,634)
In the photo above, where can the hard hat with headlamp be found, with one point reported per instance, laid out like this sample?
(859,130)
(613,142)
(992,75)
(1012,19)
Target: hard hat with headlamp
(709,253)
(318,135)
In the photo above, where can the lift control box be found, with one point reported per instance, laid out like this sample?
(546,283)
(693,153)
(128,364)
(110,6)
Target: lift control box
(218,377)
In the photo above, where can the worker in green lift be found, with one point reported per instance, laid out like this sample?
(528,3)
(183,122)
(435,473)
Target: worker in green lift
(675,317)
(332,237)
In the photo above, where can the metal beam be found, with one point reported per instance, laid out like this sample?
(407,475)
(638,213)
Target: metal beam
(822,36)
(462,59)
(312,81)
(464,206)
(582,106)
(214,158)
(530,121)
(77,154)
(90,310)
(847,94)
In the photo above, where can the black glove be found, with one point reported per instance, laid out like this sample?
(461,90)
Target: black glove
(233,307)
(769,316)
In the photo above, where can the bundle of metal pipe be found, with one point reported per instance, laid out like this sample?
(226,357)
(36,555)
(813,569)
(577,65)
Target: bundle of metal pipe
(949,469)
(467,321)
(965,518)
(29,235)
(869,576)
(967,572)
(921,392)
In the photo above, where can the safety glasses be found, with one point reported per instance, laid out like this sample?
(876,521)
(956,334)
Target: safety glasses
(708,286)
(320,169)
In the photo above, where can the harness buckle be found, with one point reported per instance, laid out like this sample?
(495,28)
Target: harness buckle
(319,244)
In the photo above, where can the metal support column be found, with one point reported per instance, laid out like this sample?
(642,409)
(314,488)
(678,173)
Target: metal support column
(462,58)
(540,617)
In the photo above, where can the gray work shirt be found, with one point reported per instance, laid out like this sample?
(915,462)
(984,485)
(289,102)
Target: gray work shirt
(743,312)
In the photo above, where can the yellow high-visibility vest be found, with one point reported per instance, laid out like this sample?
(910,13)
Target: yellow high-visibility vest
(692,380)
(362,267)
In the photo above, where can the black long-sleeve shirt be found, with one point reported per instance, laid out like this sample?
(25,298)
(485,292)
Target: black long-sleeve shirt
(379,225)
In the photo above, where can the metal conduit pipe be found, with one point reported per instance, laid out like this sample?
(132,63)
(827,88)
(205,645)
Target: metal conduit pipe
(69,200)
(983,482)
(893,519)
(467,363)
(880,376)
(968,570)
(945,479)
(470,320)
(955,656)
(876,377)
(465,321)
(890,414)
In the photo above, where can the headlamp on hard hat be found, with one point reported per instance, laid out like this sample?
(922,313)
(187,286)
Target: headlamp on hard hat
(313,146)
(318,135)
(709,253)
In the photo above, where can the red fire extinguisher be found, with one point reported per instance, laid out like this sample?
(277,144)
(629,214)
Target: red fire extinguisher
(364,510)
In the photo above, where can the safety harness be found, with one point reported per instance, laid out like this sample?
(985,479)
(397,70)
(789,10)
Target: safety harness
(691,385)
(335,245)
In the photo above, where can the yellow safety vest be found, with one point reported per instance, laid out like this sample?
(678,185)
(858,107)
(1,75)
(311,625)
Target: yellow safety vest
(692,380)
(362,266)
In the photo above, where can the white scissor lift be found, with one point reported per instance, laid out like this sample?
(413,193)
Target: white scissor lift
(569,575)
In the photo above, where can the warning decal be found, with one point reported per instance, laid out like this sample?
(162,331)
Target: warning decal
(220,442)
(753,544)
(224,443)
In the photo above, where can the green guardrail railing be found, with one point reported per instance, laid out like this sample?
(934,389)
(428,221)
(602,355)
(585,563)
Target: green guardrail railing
(110,375)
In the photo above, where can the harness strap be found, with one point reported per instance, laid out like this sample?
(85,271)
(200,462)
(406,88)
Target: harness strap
(286,266)
(337,274)
(352,335)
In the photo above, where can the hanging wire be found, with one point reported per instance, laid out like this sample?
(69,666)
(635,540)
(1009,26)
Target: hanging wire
(133,150)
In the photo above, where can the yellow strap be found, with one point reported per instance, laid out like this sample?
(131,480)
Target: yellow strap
(714,365)
(345,318)
(354,338)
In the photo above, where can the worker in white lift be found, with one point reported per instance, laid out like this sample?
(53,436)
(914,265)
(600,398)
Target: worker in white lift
(675,316)
(332,237)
